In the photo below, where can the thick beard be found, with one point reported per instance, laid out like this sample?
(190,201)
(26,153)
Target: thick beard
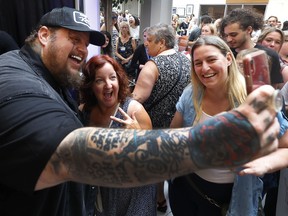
(68,80)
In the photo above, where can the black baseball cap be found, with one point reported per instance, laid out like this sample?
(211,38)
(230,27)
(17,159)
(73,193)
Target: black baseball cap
(73,19)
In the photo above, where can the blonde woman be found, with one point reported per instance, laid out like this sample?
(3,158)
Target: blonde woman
(125,46)
(217,86)
(208,29)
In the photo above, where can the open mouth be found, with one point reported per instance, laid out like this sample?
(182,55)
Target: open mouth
(107,95)
(78,59)
(209,75)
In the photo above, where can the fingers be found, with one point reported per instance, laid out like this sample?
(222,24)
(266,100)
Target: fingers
(124,114)
(258,109)
(265,97)
(117,119)
(127,121)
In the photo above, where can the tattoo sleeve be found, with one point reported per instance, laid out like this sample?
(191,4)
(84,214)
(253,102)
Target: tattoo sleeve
(227,140)
(126,158)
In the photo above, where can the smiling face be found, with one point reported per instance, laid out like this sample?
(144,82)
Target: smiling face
(106,86)
(211,66)
(63,53)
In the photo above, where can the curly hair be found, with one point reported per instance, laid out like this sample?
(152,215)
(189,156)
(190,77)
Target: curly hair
(244,17)
(89,73)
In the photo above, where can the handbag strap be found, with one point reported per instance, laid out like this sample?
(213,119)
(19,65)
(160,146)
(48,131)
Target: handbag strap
(178,78)
(204,196)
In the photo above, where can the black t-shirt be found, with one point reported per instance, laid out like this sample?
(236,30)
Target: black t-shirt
(34,120)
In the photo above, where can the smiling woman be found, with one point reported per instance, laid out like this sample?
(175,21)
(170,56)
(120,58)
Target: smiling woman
(217,86)
(106,103)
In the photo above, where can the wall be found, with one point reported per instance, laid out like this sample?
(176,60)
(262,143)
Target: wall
(274,7)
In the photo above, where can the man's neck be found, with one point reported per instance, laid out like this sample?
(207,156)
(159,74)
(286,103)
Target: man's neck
(247,45)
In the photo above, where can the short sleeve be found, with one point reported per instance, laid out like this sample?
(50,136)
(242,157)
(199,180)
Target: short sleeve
(185,106)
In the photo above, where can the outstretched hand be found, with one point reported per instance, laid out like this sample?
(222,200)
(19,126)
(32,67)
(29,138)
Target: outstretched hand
(127,121)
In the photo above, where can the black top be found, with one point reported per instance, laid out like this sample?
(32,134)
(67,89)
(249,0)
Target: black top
(7,43)
(34,120)
(139,57)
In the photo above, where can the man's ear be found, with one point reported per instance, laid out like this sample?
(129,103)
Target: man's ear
(43,35)
(249,29)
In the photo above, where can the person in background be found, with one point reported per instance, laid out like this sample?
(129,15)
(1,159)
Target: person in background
(279,24)
(283,53)
(194,35)
(208,29)
(125,48)
(103,75)
(114,29)
(134,25)
(184,26)
(140,57)
(161,81)
(236,29)
(192,24)
(272,21)
(285,26)
(217,86)
(107,49)
(7,43)
(54,156)
(273,38)
(217,25)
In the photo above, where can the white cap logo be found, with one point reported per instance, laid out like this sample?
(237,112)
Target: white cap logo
(81,18)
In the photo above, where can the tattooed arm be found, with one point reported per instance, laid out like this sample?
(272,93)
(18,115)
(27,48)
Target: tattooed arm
(126,158)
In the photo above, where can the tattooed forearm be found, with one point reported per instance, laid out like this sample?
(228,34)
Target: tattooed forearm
(126,158)
(215,146)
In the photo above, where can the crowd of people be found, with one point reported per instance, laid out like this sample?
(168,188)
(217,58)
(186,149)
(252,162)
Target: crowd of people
(154,71)
(188,121)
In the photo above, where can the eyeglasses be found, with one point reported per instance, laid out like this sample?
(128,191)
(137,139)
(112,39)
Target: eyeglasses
(114,17)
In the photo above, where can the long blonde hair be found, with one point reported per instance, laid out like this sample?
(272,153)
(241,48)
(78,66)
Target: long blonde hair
(235,84)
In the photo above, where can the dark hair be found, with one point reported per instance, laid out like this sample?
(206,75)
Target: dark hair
(285,26)
(34,34)
(276,18)
(205,19)
(244,17)
(137,21)
(89,72)
(108,50)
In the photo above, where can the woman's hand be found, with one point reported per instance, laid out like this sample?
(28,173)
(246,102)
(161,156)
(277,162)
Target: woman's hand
(270,163)
(128,122)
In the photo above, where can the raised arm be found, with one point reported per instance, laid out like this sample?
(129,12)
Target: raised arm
(125,158)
